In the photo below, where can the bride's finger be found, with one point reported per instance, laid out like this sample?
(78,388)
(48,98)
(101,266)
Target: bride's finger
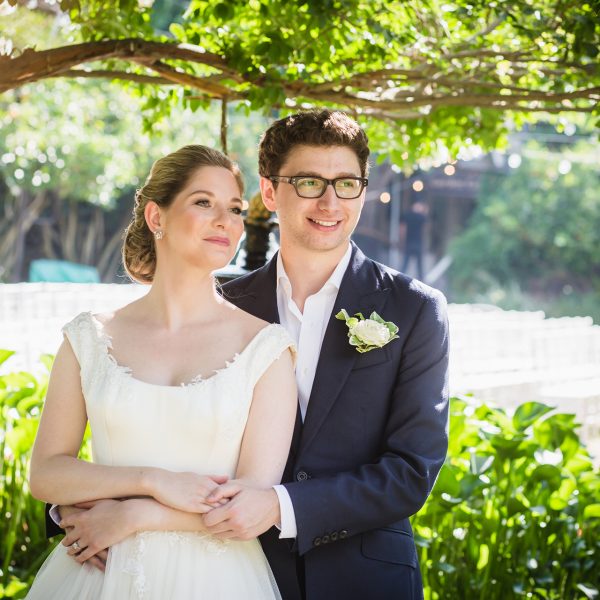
(69,538)
(76,548)
(227,490)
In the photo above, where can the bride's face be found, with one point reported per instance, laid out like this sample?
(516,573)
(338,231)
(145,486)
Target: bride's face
(203,224)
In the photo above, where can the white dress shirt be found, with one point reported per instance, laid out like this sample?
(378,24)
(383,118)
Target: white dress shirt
(307,330)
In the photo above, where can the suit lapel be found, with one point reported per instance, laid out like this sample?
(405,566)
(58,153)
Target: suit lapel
(360,291)
(257,292)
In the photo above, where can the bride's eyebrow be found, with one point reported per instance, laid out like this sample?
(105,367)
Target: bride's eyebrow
(206,192)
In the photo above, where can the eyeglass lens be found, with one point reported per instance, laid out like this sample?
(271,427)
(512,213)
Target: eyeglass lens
(312,187)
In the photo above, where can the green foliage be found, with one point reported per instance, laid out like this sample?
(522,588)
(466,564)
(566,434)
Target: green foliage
(84,141)
(23,543)
(514,511)
(534,228)
(421,75)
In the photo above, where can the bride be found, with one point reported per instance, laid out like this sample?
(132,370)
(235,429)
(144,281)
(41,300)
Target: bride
(182,392)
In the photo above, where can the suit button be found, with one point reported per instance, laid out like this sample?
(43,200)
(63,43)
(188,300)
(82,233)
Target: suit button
(343,534)
(301,476)
(334,536)
(325,539)
(317,541)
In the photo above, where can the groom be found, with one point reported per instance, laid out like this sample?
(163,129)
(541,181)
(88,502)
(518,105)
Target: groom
(371,433)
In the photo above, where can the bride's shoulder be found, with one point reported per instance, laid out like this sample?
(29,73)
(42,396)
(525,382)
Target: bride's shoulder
(117,317)
(248,325)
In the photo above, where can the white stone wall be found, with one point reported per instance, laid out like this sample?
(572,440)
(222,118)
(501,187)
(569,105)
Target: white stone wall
(505,357)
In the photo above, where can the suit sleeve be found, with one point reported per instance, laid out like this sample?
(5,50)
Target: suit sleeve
(397,483)
(52,528)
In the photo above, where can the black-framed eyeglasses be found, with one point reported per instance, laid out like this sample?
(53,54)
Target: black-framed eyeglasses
(310,186)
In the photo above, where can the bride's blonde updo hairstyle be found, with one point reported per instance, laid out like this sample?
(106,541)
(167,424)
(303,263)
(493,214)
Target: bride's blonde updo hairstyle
(168,176)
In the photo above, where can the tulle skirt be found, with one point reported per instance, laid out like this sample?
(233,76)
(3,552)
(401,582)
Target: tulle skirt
(161,566)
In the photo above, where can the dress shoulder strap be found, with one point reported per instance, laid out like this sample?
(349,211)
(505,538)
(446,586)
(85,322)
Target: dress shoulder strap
(268,345)
(82,334)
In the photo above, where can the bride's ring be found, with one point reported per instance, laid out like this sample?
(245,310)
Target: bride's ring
(76,546)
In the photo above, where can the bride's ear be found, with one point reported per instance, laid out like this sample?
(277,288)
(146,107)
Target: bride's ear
(153,216)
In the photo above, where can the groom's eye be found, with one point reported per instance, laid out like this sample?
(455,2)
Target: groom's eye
(306,182)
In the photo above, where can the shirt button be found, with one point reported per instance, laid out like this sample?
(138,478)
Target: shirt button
(301,476)
(317,541)
(343,534)
(304,371)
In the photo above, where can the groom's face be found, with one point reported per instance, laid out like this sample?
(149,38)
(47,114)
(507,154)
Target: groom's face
(317,224)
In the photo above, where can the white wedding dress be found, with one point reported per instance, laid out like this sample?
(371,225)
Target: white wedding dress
(194,427)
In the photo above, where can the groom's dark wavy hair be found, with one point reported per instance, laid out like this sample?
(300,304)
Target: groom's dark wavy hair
(311,128)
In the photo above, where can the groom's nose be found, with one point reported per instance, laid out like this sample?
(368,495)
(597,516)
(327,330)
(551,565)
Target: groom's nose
(328,201)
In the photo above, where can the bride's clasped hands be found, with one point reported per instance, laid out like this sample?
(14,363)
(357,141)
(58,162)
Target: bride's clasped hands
(100,524)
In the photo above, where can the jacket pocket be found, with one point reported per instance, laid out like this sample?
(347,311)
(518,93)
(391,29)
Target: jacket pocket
(389,545)
(372,358)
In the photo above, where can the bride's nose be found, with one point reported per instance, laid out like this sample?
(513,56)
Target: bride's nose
(220,216)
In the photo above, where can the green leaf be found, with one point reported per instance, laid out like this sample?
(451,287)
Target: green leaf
(590,591)
(480,463)
(5,355)
(47,360)
(548,474)
(223,11)
(484,555)
(445,567)
(20,439)
(529,413)
(591,511)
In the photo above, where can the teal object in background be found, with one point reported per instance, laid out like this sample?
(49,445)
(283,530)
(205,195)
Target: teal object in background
(62,271)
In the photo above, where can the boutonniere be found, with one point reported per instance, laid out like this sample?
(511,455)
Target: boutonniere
(368,334)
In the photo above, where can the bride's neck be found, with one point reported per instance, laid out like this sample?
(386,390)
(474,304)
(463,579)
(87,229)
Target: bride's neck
(175,300)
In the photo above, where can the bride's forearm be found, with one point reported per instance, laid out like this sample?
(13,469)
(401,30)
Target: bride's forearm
(63,479)
(150,515)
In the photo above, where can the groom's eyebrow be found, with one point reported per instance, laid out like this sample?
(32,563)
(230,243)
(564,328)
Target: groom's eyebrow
(315,174)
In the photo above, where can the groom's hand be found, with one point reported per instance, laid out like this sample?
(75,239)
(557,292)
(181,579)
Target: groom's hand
(250,512)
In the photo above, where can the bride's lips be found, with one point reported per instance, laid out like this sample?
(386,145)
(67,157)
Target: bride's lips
(220,241)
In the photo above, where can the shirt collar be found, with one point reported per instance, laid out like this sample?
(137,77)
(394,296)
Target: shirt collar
(334,280)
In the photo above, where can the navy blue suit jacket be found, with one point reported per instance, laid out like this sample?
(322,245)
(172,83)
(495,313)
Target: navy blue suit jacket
(372,443)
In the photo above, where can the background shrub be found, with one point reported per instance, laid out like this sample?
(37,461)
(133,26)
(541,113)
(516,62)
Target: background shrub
(515,511)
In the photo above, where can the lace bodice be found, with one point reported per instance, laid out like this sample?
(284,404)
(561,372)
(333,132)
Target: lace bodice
(193,427)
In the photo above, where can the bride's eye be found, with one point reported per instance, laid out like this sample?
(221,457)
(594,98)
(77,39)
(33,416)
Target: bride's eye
(236,210)
(202,202)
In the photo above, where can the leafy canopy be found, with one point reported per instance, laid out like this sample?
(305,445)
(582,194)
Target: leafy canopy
(422,75)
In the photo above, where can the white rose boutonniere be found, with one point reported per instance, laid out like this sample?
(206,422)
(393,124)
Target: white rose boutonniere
(368,334)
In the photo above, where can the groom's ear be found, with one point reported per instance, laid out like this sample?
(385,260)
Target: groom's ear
(268,193)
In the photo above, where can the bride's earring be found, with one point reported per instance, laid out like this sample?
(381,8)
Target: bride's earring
(159,234)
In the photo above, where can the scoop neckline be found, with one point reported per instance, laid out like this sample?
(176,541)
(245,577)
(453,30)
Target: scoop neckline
(106,343)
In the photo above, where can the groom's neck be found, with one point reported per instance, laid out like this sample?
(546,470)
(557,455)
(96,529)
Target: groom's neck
(309,270)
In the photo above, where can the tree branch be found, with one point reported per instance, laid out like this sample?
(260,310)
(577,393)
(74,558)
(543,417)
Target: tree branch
(32,65)
(122,75)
